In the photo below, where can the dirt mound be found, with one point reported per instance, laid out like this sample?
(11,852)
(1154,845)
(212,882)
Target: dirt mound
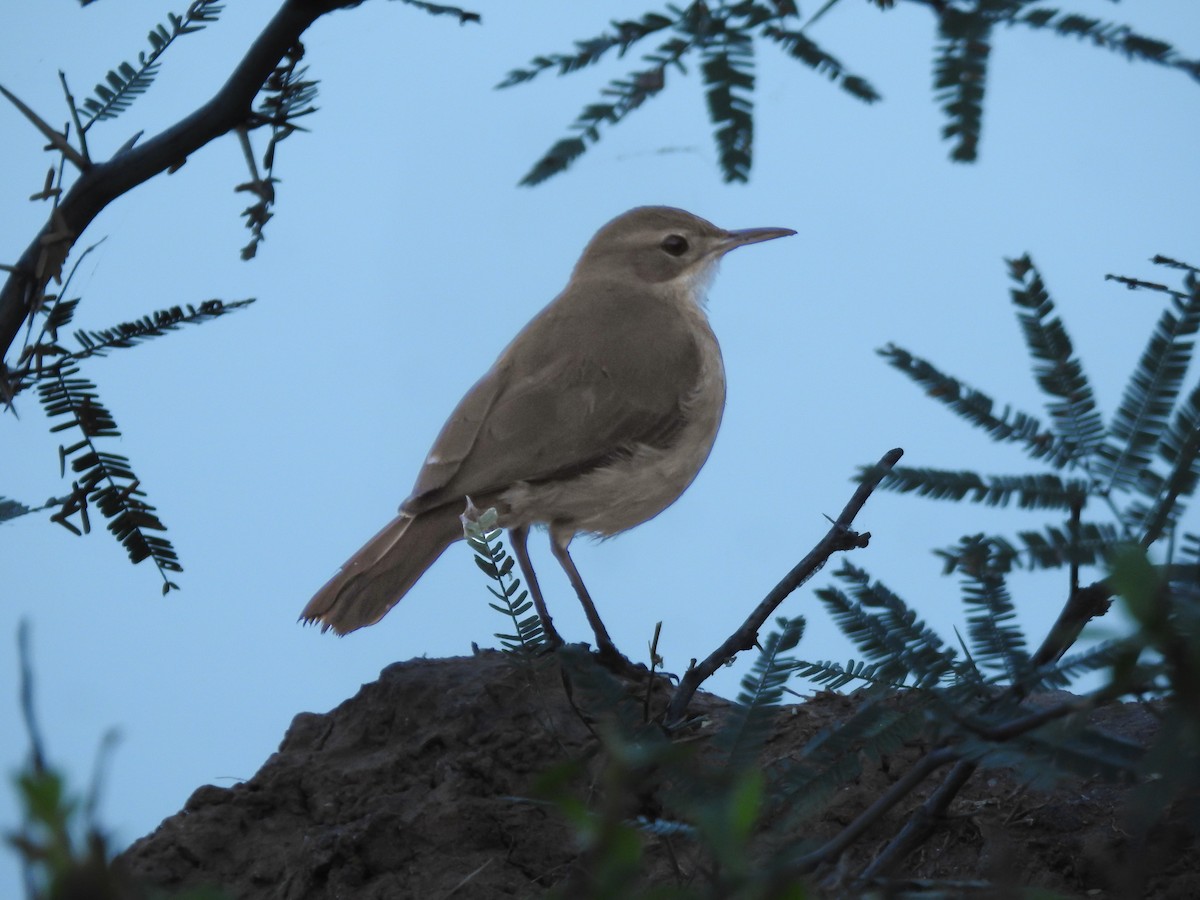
(419,787)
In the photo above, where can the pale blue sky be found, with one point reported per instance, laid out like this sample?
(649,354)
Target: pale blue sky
(403,257)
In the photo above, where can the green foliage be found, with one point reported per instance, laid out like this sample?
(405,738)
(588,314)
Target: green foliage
(914,683)
(1009,426)
(712,801)
(885,630)
(728,70)
(1073,544)
(724,41)
(802,48)
(483,537)
(1037,491)
(996,641)
(437,9)
(1167,611)
(1120,39)
(960,76)
(1059,373)
(64,851)
(286,96)
(643,786)
(723,36)
(1133,470)
(127,82)
(102,479)
(742,736)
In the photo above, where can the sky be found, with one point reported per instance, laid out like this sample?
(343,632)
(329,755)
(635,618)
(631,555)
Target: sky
(403,256)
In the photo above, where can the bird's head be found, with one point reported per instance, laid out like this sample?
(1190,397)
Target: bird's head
(664,246)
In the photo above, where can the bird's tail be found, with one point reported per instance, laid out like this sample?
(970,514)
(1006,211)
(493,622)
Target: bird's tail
(375,578)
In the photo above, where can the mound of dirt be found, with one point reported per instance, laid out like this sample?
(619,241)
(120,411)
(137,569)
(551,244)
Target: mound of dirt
(419,787)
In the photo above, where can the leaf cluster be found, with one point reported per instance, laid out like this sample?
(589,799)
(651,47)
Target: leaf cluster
(483,537)
(1110,480)
(704,805)
(64,850)
(126,82)
(984,700)
(101,479)
(731,822)
(286,96)
(725,39)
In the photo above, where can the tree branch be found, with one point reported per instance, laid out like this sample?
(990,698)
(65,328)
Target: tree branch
(839,537)
(101,183)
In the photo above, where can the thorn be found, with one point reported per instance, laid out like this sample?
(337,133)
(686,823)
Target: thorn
(57,140)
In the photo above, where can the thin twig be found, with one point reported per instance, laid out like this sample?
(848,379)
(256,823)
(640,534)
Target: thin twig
(650,678)
(1081,607)
(37,752)
(839,537)
(921,822)
(929,764)
(102,182)
(79,129)
(56,138)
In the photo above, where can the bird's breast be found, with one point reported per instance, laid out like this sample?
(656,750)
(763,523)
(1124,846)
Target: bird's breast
(642,480)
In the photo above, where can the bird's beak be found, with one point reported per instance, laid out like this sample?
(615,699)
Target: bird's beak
(752,236)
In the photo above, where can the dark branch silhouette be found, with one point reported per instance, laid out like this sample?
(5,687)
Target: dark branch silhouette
(839,537)
(100,183)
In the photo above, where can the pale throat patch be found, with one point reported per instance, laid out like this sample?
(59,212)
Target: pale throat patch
(697,282)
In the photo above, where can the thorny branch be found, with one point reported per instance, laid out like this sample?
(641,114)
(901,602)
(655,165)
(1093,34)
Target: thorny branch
(839,537)
(100,183)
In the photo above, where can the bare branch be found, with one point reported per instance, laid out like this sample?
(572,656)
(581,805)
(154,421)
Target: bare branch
(57,139)
(839,537)
(102,182)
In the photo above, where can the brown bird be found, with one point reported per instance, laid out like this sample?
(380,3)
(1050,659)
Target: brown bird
(594,419)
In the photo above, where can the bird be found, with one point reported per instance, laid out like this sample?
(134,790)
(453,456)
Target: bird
(594,419)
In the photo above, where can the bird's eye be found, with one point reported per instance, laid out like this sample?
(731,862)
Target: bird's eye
(675,244)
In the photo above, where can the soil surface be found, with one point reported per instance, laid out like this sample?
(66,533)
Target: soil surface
(421,786)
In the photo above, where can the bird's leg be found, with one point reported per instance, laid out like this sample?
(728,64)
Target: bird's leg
(518,537)
(558,545)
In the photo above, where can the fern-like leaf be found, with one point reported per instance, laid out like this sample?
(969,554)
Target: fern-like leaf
(120,88)
(287,96)
(158,323)
(960,77)
(127,82)
(621,97)
(741,739)
(694,26)
(59,317)
(1031,491)
(1071,668)
(996,640)
(1179,445)
(801,47)
(1117,38)
(1007,426)
(1149,398)
(728,72)
(886,630)
(483,537)
(833,676)
(437,9)
(624,34)
(1059,373)
(1052,548)
(106,480)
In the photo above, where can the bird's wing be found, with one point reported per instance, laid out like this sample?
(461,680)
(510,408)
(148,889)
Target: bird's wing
(580,384)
